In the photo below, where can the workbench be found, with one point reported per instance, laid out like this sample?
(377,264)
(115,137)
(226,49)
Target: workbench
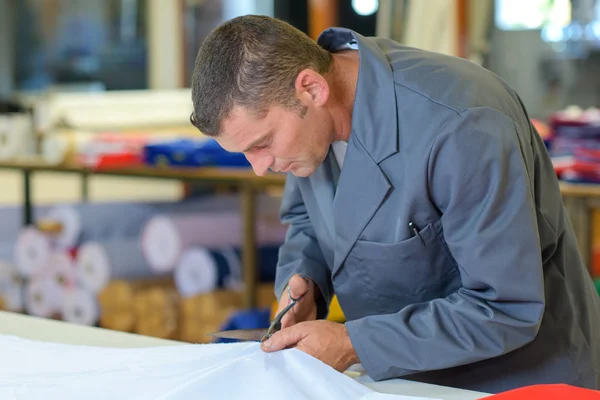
(580,199)
(62,332)
(242,179)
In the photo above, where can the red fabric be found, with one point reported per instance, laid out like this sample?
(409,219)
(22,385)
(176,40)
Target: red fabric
(73,252)
(547,392)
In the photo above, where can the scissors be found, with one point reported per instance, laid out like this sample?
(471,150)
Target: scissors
(260,334)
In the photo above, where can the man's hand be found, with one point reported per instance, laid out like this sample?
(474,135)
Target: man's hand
(305,309)
(325,340)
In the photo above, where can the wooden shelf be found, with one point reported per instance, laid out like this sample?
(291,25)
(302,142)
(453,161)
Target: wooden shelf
(579,189)
(242,178)
(211,174)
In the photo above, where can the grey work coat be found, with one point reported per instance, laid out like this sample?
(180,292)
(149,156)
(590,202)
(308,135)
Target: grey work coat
(492,293)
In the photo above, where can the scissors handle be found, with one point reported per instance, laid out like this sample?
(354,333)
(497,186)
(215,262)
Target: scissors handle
(279,316)
(276,324)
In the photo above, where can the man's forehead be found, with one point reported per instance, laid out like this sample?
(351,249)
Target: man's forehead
(240,127)
(235,124)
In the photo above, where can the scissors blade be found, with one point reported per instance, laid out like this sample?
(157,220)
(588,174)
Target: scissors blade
(254,335)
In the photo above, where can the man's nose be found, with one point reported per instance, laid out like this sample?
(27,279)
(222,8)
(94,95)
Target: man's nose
(260,164)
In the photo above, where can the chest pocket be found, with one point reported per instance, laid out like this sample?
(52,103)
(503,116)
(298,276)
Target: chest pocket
(411,271)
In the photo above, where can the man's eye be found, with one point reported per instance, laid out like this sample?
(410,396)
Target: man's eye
(262,146)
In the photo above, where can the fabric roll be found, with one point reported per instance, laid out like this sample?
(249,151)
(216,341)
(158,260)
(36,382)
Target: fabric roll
(61,268)
(267,258)
(80,306)
(234,279)
(198,272)
(63,147)
(11,288)
(165,238)
(100,262)
(32,251)
(83,222)
(43,297)
(201,270)
(15,136)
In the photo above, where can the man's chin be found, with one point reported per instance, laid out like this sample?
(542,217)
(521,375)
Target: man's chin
(302,172)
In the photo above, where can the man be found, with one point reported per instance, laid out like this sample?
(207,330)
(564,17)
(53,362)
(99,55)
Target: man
(419,193)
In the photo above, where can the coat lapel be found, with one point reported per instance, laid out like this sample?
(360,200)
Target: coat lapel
(323,183)
(362,187)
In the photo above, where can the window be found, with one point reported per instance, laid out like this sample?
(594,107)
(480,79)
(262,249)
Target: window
(96,44)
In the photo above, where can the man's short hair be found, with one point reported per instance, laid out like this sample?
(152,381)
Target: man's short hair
(252,62)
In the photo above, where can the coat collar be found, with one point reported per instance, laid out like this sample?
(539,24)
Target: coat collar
(374,117)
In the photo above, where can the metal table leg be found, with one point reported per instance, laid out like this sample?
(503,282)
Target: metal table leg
(249,245)
(579,214)
(27,207)
(85,189)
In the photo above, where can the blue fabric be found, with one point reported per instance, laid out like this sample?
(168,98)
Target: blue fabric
(192,153)
(253,319)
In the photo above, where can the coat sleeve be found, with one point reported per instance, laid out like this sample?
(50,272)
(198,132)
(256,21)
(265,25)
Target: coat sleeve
(301,253)
(479,181)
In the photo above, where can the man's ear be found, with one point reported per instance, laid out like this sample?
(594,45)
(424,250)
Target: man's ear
(312,86)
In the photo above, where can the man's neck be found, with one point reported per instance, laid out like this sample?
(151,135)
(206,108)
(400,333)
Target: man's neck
(342,79)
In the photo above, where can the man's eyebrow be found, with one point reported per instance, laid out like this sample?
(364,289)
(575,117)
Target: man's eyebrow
(257,141)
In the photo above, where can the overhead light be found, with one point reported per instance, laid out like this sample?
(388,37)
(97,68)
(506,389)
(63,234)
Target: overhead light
(365,7)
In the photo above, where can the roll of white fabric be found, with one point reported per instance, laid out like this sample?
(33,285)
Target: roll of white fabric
(14,297)
(196,272)
(62,269)
(100,262)
(59,148)
(79,306)
(32,251)
(111,220)
(43,297)
(234,280)
(70,222)
(11,287)
(165,237)
(201,270)
(15,136)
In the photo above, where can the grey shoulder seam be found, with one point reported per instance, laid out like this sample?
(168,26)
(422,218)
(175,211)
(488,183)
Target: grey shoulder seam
(428,98)
(495,110)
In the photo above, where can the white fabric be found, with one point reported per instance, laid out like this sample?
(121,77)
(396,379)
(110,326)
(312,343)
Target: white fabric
(39,370)
(339,150)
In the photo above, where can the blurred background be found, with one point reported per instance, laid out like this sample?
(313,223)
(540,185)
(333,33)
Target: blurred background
(116,212)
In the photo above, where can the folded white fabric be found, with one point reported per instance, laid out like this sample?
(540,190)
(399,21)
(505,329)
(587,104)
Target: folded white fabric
(41,370)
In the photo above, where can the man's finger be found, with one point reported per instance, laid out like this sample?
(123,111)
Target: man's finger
(285,338)
(298,286)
